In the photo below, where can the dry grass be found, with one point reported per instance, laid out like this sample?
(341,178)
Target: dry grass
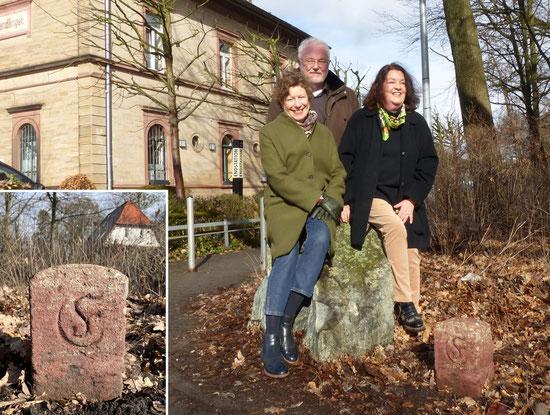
(23,257)
(482,197)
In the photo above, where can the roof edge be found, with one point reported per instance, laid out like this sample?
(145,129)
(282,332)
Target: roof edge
(244,8)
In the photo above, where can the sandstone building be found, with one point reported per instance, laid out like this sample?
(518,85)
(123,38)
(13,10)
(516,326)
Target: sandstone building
(52,93)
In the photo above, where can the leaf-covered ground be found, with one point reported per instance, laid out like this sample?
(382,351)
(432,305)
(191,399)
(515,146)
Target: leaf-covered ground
(144,381)
(512,295)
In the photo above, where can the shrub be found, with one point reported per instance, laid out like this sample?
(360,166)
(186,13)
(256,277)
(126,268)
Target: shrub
(77,182)
(472,203)
(11,183)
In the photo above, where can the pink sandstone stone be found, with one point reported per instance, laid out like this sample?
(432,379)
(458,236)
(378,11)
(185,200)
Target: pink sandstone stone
(463,355)
(78,331)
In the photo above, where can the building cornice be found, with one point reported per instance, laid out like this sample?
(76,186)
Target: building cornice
(84,59)
(25,108)
(58,64)
(154,110)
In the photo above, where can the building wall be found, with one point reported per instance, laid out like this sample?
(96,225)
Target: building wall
(64,96)
(57,95)
(131,235)
(47,40)
(41,69)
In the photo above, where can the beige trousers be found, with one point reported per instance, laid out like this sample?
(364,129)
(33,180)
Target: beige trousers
(405,262)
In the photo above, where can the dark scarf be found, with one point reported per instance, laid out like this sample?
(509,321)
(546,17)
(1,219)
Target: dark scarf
(309,123)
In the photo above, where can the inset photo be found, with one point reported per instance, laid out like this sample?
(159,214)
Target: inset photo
(83,300)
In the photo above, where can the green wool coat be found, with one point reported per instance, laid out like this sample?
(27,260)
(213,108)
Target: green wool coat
(298,171)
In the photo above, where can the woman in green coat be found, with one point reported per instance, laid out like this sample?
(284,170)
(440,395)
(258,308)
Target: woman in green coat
(303,201)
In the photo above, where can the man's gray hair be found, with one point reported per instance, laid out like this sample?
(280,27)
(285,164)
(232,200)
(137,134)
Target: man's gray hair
(311,41)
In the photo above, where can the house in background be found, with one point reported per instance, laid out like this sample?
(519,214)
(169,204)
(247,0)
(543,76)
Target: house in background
(52,96)
(127,225)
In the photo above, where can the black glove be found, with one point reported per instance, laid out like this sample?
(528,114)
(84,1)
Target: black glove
(332,207)
(319,213)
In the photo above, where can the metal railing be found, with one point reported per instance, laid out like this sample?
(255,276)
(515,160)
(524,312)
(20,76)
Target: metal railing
(192,226)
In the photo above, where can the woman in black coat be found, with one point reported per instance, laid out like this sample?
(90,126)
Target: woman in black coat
(389,155)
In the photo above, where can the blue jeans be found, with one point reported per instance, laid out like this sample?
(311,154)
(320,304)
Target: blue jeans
(295,271)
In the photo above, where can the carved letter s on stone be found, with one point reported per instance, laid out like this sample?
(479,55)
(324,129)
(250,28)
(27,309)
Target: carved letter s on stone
(79,322)
(454,349)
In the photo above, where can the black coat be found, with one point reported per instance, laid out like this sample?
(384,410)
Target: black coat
(360,152)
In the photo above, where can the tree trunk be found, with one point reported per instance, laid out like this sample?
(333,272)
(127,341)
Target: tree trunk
(176,160)
(477,118)
(173,111)
(53,202)
(470,75)
(536,147)
(6,228)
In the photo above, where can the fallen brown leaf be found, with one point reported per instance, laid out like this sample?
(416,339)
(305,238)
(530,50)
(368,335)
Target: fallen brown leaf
(274,410)
(239,360)
(312,387)
(4,380)
(496,408)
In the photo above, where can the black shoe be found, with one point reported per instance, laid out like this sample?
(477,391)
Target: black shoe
(274,364)
(409,318)
(289,349)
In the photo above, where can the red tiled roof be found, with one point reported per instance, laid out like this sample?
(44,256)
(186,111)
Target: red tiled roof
(131,214)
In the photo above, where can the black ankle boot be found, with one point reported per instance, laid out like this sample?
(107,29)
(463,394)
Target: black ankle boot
(274,364)
(289,349)
(409,318)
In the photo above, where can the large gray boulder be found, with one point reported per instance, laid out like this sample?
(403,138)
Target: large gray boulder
(352,306)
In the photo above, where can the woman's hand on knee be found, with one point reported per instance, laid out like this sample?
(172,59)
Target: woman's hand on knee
(405,210)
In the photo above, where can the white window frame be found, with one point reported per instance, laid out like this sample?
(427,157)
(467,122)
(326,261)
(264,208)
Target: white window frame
(226,65)
(28,151)
(153,43)
(156,155)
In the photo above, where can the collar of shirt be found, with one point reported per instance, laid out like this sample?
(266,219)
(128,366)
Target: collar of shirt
(320,92)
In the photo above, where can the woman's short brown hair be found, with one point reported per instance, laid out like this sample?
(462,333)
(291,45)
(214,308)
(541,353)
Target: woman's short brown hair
(376,91)
(290,78)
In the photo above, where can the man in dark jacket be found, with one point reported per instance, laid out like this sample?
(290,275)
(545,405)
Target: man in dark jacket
(333,101)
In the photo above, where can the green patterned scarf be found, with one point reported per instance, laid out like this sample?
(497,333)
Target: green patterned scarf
(389,121)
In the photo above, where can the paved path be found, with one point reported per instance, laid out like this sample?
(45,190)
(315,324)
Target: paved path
(213,272)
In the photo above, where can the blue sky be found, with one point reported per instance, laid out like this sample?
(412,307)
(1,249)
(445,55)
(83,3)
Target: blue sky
(353,29)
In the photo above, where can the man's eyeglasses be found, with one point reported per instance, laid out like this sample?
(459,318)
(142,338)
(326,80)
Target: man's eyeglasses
(320,62)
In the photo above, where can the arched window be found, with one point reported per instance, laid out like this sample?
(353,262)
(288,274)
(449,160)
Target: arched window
(156,140)
(227,160)
(28,161)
